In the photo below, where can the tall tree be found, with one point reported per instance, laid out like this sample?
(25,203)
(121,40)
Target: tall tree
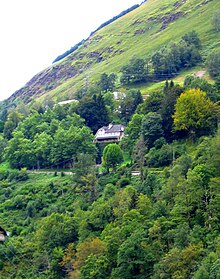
(216,20)
(213,64)
(194,113)
(167,107)
(151,128)
(107,82)
(192,38)
(94,111)
(136,71)
(112,156)
(11,123)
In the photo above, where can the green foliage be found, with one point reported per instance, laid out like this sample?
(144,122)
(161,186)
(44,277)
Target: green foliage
(216,20)
(171,94)
(165,63)
(192,38)
(134,72)
(159,226)
(202,84)
(11,123)
(151,128)
(213,62)
(194,112)
(159,222)
(94,111)
(112,156)
(129,104)
(51,138)
(152,103)
(107,82)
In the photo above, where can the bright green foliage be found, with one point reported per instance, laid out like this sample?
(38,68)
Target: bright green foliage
(95,267)
(11,123)
(55,230)
(193,112)
(112,156)
(20,152)
(42,145)
(53,138)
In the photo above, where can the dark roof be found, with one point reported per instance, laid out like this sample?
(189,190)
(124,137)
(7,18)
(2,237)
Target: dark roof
(113,128)
(2,231)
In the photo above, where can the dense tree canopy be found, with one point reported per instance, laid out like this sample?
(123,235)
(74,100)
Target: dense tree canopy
(112,155)
(193,112)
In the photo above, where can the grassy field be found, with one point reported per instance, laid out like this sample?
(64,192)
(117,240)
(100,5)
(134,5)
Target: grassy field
(139,33)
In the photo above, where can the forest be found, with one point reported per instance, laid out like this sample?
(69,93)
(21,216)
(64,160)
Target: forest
(75,209)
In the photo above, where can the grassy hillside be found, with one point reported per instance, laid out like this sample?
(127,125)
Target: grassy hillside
(139,33)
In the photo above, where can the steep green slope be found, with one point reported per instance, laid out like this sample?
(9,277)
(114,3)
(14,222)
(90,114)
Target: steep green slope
(139,33)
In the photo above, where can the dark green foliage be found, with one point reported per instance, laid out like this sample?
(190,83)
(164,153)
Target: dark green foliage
(213,64)
(192,38)
(124,182)
(171,93)
(133,259)
(152,103)
(134,72)
(160,157)
(94,111)
(167,61)
(72,49)
(129,104)
(115,17)
(151,128)
(107,82)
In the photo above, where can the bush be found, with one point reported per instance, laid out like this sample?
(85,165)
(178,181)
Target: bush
(123,182)
(213,64)
(17,175)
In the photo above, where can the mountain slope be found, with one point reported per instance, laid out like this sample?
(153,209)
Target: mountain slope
(139,33)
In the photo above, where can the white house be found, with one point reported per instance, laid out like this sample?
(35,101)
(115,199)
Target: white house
(110,133)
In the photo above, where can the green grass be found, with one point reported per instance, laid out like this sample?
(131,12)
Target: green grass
(118,42)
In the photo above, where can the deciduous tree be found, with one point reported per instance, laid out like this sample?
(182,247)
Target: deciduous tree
(112,156)
(193,112)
